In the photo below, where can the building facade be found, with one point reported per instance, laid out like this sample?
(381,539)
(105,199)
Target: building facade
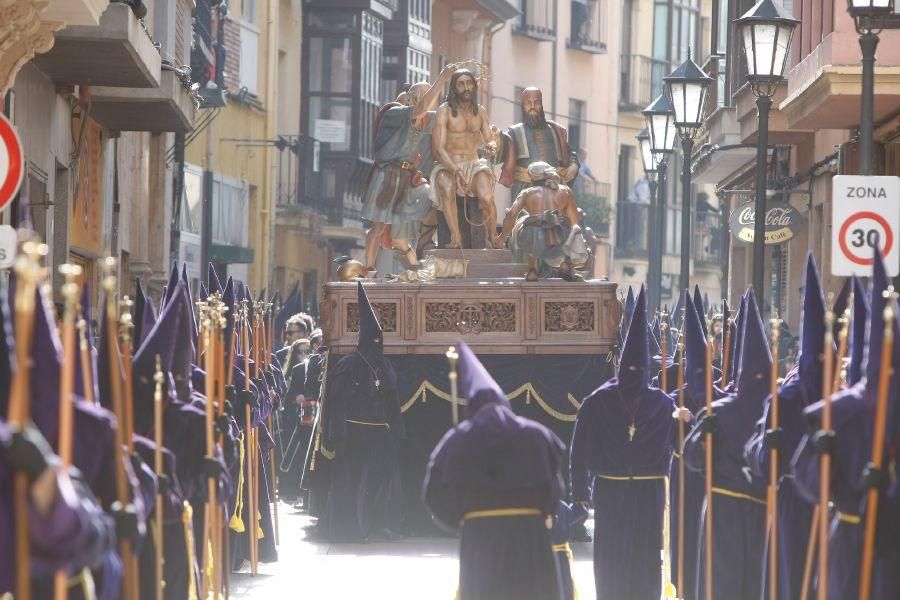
(98,108)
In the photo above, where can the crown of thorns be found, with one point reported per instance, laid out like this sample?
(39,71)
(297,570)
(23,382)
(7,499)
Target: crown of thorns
(479,69)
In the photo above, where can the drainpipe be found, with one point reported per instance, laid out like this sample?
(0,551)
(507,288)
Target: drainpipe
(553,68)
(267,273)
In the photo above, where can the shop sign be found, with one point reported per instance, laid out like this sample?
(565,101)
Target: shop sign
(783,221)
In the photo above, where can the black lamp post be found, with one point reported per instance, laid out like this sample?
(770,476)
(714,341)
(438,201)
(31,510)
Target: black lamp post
(868,16)
(660,119)
(766,31)
(687,87)
(649,162)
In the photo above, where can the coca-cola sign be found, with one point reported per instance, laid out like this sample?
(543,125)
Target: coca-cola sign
(783,221)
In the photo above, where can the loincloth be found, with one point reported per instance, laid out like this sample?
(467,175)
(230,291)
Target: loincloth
(549,237)
(468,168)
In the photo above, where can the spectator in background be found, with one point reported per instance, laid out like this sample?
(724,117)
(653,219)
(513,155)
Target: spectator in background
(584,173)
(298,326)
(315,339)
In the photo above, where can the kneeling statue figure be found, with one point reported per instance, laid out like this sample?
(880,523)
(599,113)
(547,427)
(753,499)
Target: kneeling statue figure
(549,230)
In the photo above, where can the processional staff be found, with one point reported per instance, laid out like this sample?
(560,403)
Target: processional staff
(874,474)
(129,576)
(70,292)
(267,362)
(84,349)
(681,466)
(773,436)
(158,379)
(453,356)
(727,324)
(209,325)
(708,442)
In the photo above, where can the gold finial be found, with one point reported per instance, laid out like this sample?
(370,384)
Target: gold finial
(452,355)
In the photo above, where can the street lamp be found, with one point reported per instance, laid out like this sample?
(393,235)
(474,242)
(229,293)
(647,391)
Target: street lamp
(660,118)
(651,166)
(766,30)
(687,88)
(868,15)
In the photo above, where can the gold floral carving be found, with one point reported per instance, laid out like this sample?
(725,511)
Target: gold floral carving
(385,311)
(568,317)
(22,35)
(470,317)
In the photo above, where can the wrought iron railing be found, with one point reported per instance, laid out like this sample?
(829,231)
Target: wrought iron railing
(632,220)
(706,241)
(536,20)
(594,199)
(636,80)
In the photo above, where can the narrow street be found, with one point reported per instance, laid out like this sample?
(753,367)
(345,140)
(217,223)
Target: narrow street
(416,568)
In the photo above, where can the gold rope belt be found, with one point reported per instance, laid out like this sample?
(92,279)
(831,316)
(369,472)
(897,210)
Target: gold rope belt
(851,519)
(676,455)
(738,495)
(502,512)
(368,423)
(632,477)
(562,547)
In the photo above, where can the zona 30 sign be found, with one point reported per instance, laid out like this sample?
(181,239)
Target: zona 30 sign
(783,221)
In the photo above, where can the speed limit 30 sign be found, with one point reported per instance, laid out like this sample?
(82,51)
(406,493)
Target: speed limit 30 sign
(865,215)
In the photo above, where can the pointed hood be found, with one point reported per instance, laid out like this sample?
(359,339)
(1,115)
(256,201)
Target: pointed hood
(840,306)
(756,358)
(875,329)
(204,293)
(104,375)
(183,355)
(857,341)
(629,305)
(695,345)
(676,312)
(705,303)
(475,384)
(174,277)
(213,280)
(737,337)
(812,333)
(148,320)
(634,361)
(230,301)
(653,340)
(371,340)
(161,339)
(137,310)
(192,318)
(701,310)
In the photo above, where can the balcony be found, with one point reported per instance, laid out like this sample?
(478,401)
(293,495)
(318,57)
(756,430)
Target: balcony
(594,199)
(202,56)
(636,80)
(632,233)
(588,26)
(536,20)
(75,12)
(706,242)
(168,107)
(117,53)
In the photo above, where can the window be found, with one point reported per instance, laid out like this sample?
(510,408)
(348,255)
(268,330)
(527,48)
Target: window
(249,72)
(192,200)
(418,66)
(230,211)
(536,20)
(588,25)
(721,26)
(330,121)
(248,11)
(576,123)
(685,30)
(329,65)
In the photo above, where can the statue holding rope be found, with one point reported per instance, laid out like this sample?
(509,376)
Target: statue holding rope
(461,126)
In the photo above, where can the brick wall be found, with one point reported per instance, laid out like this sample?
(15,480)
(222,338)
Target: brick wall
(232,55)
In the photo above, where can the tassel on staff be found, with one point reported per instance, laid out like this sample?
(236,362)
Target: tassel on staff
(874,473)
(772,438)
(70,292)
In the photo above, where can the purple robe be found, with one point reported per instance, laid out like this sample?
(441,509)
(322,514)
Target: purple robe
(626,480)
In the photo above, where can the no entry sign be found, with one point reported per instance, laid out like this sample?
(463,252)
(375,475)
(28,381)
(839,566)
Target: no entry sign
(12,163)
(865,215)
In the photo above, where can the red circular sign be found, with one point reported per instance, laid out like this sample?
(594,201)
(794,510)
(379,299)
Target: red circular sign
(11,176)
(888,236)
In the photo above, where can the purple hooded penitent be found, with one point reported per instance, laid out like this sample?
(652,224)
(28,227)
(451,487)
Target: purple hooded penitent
(857,341)
(496,460)
(625,429)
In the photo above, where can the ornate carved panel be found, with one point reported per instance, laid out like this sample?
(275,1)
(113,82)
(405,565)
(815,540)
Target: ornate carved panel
(22,35)
(470,317)
(385,311)
(565,317)
(409,317)
(531,317)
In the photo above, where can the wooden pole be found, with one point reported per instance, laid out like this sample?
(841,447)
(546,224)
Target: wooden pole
(125,328)
(825,460)
(772,495)
(19,411)
(70,293)
(248,429)
(115,370)
(159,379)
(726,351)
(682,472)
(709,478)
(87,373)
(875,466)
